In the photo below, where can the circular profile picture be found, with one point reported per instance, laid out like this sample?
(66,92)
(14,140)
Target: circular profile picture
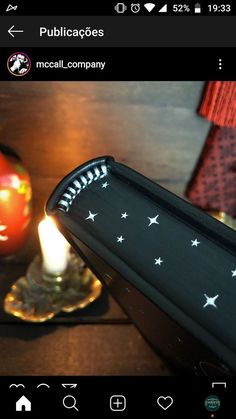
(19,64)
(212,403)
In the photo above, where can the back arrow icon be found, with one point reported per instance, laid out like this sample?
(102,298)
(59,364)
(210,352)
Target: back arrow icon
(11,31)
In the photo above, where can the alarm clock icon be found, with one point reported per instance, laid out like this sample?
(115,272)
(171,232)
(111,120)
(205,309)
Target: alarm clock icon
(135,7)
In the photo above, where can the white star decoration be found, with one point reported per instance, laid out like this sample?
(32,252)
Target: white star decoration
(153,220)
(210,301)
(105,185)
(195,243)
(158,261)
(120,239)
(91,216)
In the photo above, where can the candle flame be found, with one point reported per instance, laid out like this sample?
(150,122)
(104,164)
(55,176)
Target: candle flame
(55,248)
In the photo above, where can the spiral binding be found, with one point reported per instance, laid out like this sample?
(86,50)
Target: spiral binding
(85,179)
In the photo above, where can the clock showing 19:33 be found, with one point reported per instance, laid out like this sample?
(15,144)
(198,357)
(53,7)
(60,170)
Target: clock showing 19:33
(219,8)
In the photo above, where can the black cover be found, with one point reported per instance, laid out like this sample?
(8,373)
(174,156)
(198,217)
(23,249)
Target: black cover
(170,266)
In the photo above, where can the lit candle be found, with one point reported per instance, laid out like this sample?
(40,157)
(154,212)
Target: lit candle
(55,248)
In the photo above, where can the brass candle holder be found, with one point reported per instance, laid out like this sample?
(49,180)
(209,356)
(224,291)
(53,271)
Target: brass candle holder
(224,218)
(39,296)
(57,281)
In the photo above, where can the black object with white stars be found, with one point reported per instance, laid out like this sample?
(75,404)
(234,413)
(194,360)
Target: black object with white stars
(169,265)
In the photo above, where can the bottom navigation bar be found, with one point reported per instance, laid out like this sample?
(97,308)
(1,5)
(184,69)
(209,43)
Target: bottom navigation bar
(164,397)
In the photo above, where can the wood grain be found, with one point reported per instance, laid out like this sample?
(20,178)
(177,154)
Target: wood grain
(79,350)
(56,126)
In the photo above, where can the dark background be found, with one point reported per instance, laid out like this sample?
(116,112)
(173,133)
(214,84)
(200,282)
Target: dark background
(99,8)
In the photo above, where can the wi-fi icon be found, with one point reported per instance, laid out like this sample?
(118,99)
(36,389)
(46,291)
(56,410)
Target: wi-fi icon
(149,6)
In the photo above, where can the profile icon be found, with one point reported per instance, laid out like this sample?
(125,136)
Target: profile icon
(19,64)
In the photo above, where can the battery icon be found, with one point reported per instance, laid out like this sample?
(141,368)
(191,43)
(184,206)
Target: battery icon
(197,8)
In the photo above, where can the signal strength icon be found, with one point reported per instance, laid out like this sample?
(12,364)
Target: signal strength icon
(163,9)
(149,6)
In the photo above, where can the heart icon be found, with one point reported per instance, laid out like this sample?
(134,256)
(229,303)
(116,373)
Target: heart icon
(165,402)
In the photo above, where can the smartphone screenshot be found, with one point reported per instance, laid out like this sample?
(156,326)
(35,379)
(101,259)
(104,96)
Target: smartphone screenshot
(117,209)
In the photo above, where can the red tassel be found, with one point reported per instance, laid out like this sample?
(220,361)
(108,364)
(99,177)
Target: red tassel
(213,184)
(219,103)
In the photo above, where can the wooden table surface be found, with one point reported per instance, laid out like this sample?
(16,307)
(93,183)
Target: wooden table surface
(55,126)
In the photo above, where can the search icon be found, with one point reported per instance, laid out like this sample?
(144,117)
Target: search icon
(69,402)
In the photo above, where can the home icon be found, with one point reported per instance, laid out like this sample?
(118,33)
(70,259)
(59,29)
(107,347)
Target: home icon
(23,405)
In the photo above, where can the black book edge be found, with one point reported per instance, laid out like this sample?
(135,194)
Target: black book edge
(177,207)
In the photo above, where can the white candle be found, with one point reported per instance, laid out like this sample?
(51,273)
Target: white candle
(55,248)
